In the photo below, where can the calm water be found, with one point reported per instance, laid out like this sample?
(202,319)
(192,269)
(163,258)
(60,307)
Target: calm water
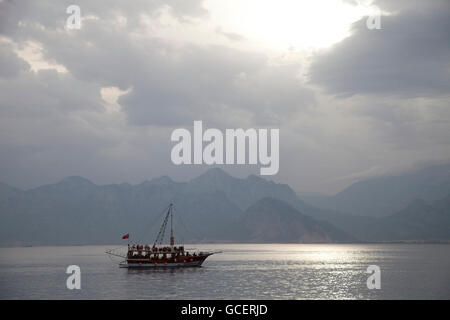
(274,271)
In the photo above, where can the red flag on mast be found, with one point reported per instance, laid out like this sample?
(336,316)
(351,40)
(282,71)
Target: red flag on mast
(126,236)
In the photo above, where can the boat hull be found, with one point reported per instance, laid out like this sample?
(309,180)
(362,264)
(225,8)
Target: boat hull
(160,265)
(147,263)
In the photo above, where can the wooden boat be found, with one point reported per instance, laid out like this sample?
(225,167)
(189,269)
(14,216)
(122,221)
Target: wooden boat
(158,255)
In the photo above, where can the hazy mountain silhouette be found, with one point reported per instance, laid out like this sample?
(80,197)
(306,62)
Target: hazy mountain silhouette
(420,220)
(243,192)
(273,220)
(212,207)
(208,208)
(383,196)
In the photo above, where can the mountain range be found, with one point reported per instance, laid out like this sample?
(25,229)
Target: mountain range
(388,194)
(213,207)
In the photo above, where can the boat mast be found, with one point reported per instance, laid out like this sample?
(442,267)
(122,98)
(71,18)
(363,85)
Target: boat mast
(162,230)
(172,239)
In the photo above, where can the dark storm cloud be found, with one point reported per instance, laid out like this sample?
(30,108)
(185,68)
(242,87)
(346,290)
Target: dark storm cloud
(25,93)
(212,82)
(53,125)
(170,84)
(409,56)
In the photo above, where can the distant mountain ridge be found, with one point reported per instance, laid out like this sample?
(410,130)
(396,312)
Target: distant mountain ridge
(273,220)
(77,211)
(420,220)
(383,196)
(244,192)
(213,207)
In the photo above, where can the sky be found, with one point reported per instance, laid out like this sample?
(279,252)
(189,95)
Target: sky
(102,101)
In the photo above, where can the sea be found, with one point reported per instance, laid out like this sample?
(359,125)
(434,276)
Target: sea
(237,271)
